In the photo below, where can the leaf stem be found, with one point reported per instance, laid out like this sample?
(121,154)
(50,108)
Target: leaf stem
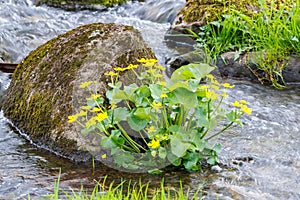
(224,129)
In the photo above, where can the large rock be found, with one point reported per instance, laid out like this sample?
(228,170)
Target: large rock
(242,67)
(197,13)
(44,89)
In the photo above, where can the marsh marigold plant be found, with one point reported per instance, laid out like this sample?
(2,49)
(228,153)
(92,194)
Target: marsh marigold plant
(161,121)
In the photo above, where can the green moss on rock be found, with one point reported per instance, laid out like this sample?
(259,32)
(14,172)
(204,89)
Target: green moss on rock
(203,11)
(44,89)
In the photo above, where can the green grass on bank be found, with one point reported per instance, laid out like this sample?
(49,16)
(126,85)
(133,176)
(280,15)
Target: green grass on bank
(123,191)
(274,34)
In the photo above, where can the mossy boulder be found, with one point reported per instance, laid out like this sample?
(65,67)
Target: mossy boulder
(45,90)
(79,4)
(197,13)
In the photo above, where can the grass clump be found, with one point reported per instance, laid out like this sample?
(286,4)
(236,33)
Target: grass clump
(273,33)
(124,191)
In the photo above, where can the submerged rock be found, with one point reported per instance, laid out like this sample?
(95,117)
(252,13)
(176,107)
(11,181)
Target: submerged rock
(232,65)
(44,89)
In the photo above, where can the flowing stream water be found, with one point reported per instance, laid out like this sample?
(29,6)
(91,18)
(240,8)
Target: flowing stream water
(261,160)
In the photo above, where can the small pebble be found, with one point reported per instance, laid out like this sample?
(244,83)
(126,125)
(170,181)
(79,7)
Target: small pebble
(216,168)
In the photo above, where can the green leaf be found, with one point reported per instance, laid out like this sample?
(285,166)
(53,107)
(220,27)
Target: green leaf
(162,152)
(143,113)
(178,146)
(198,142)
(120,94)
(106,142)
(231,116)
(179,85)
(117,138)
(87,130)
(155,171)
(191,161)
(156,90)
(194,70)
(139,97)
(129,90)
(120,114)
(174,159)
(212,160)
(185,97)
(124,159)
(217,148)
(94,102)
(136,123)
(174,128)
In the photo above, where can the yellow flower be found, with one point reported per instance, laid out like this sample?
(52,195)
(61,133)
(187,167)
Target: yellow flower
(158,75)
(96,109)
(159,67)
(151,60)
(142,60)
(243,102)
(215,87)
(227,85)
(103,156)
(151,129)
(163,95)
(151,71)
(85,107)
(113,105)
(101,116)
(82,113)
(209,76)
(131,66)
(85,84)
(224,94)
(211,95)
(236,104)
(154,144)
(203,87)
(164,137)
(72,118)
(156,106)
(94,97)
(111,74)
(246,110)
(120,69)
(91,122)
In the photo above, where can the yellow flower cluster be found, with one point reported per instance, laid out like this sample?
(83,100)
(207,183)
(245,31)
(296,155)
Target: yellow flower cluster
(242,104)
(151,129)
(154,144)
(147,62)
(111,73)
(93,97)
(86,84)
(120,69)
(98,118)
(215,89)
(161,137)
(156,106)
(73,118)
